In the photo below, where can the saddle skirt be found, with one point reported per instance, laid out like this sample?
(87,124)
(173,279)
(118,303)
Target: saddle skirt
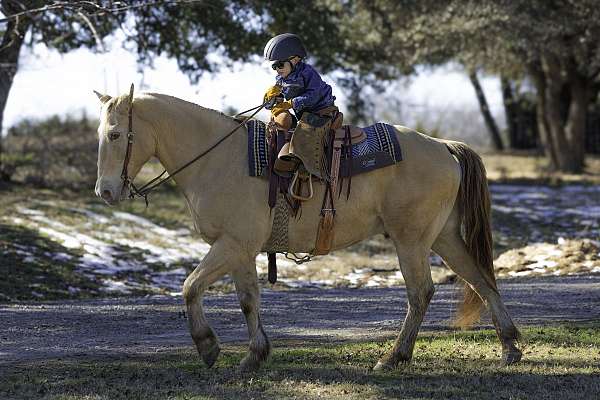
(373,147)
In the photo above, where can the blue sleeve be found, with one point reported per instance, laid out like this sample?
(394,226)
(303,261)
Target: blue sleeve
(312,86)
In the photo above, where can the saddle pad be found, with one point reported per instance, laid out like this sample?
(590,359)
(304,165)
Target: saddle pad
(379,150)
(380,137)
(258,149)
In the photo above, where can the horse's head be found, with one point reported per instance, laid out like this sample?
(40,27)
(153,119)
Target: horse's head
(121,153)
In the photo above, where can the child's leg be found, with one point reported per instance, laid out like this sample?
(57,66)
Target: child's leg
(284,121)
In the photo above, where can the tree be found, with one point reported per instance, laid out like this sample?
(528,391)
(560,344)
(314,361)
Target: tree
(485,110)
(185,30)
(551,42)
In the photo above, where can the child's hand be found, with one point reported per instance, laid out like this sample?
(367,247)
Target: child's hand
(281,107)
(272,92)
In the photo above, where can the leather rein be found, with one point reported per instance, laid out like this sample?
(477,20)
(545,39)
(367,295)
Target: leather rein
(144,190)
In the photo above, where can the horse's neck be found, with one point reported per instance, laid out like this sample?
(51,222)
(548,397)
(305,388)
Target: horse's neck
(184,131)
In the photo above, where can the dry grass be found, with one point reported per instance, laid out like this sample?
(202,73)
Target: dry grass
(528,167)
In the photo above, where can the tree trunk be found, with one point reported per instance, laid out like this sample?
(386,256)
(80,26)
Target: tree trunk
(567,134)
(548,146)
(576,121)
(487,115)
(10,48)
(508,98)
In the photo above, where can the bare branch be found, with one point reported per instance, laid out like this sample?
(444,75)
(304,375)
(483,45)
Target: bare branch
(99,42)
(79,6)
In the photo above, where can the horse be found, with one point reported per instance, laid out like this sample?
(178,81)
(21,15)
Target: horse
(421,204)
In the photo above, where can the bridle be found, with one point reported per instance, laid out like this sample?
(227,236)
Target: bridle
(127,181)
(144,190)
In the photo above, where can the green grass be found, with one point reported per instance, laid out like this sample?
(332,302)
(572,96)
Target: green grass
(34,273)
(28,265)
(559,363)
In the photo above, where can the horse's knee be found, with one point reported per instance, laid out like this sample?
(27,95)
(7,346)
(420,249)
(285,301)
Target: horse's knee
(190,289)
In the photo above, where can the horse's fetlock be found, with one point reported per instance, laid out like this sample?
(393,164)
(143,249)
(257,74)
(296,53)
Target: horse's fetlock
(260,345)
(203,334)
(250,363)
(403,358)
(386,363)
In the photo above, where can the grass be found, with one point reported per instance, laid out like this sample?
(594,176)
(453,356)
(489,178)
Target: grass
(34,273)
(27,257)
(559,363)
(528,167)
(38,275)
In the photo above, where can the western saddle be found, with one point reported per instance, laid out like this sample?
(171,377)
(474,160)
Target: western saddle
(313,151)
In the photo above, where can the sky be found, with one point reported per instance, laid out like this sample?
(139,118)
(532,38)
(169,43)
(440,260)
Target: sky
(49,83)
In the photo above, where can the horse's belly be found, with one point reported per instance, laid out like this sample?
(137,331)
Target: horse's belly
(356,219)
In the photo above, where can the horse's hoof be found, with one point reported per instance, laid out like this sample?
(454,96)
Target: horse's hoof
(249,364)
(210,353)
(511,357)
(384,366)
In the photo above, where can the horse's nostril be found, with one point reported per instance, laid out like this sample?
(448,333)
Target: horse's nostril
(106,195)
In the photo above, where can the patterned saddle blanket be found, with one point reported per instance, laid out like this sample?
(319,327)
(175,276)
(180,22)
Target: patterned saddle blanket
(380,149)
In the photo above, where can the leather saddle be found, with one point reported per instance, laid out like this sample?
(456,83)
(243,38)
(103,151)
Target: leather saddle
(320,151)
(357,135)
(309,151)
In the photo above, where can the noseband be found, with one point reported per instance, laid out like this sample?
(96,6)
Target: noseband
(144,190)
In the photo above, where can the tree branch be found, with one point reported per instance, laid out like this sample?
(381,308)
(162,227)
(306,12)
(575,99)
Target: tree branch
(81,5)
(93,29)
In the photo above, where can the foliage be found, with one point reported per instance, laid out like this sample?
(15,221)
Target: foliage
(53,152)
(368,42)
(554,43)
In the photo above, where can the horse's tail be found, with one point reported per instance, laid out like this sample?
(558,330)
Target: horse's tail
(475,215)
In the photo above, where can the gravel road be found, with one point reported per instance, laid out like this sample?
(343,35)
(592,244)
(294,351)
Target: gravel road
(95,329)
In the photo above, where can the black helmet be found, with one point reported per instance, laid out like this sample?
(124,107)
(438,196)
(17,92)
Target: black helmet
(283,47)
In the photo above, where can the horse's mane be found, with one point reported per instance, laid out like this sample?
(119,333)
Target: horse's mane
(194,106)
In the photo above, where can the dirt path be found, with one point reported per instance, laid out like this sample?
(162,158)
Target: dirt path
(118,327)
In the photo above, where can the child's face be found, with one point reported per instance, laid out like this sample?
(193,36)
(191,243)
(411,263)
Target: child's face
(286,67)
(285,71)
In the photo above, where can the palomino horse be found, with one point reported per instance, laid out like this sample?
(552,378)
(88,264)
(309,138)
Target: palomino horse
(420,203)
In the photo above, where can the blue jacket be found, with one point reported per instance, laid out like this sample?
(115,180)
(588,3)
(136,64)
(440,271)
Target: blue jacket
(306,89)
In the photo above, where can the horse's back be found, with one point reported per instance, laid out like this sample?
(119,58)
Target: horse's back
(427,164)
(422,188)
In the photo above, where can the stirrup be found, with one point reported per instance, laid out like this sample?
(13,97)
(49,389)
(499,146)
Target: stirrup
(296,181)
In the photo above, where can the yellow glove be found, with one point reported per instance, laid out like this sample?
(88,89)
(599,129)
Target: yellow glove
(281,107)
(272,92)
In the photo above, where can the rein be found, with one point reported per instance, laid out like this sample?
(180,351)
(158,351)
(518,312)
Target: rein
(144,190)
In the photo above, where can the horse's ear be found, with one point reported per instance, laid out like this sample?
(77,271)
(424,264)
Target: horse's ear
(131,94)
(103,97)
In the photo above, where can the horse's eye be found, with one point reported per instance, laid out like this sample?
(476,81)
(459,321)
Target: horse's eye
(113,136)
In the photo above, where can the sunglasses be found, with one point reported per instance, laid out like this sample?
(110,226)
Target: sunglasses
(278,65)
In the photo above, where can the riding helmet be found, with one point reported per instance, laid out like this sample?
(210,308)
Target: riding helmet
(284,46)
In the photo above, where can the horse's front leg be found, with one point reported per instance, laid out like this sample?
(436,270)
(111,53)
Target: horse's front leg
(217,262)
(246,284)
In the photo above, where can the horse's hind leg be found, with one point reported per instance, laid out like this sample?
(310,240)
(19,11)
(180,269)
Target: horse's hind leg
(414,264)
(452,248)
(213,266)
(246,284)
